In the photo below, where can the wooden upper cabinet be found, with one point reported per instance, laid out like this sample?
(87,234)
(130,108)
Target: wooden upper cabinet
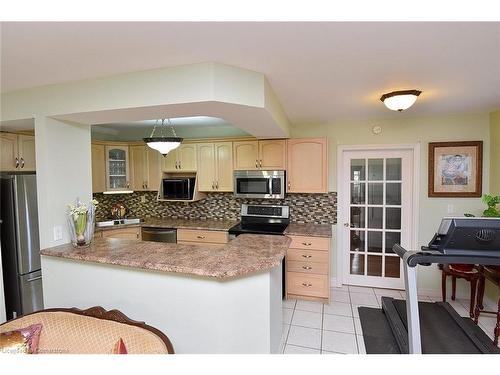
(98,168)
(138,167)
(186,157)
(224,166)
(26,149)
(272,154)
(206,167)
(182,158)
(117,167)
(307,168)
(169,162)
(153,172)
(9,157)
(246,155)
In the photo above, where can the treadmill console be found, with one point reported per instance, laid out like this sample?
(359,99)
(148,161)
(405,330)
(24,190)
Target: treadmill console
(467,236)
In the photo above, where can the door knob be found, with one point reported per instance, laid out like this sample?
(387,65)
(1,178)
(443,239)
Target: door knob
(347,225)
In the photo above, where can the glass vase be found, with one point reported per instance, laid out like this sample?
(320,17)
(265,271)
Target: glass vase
(81,227)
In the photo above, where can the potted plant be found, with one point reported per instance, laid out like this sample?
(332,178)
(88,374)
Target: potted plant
(81,222)
(492,203)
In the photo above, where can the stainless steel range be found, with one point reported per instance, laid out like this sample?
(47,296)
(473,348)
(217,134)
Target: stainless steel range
(263,219)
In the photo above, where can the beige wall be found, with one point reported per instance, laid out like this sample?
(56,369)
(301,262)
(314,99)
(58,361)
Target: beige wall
(492,292)
(411,130)
(495,152)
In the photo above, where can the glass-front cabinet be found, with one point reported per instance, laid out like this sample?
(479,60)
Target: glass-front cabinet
(117,168)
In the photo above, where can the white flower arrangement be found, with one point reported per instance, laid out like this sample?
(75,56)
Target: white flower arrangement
(78,215)
(80,208)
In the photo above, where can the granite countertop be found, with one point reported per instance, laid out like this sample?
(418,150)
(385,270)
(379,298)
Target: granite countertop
(312,230)
(246,254)
(218,225)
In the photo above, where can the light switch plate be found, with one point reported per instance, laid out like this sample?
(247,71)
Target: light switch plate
(58,235)
(143,199)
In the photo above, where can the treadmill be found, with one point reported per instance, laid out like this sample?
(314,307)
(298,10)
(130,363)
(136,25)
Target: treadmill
(436,327)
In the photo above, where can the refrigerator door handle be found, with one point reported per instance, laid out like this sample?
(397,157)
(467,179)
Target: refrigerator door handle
(34,279)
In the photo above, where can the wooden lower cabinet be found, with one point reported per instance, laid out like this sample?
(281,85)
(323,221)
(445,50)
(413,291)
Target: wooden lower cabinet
(202,237)
(133,233)
(308,268)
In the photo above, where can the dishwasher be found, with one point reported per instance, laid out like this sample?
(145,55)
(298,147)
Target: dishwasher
(168,235)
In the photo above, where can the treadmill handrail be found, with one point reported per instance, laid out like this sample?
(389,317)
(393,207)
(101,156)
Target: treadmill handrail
(427,256)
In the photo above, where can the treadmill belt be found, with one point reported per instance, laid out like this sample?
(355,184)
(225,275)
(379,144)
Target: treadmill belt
(377,333)
(441,334)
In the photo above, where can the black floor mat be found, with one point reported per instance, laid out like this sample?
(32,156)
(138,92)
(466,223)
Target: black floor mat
(379,339)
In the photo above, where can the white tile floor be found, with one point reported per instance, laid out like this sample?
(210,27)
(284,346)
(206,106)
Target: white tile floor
(316,328)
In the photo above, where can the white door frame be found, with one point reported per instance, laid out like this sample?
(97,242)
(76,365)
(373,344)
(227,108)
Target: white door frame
(342,195)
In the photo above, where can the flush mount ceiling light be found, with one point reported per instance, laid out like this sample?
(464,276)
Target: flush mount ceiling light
(162,143)
(400,100)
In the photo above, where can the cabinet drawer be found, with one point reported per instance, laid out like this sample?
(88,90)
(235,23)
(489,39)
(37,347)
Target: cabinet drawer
(314,243)
(307,285)
(201,236)
(307,267)
(129,233)
(308,255)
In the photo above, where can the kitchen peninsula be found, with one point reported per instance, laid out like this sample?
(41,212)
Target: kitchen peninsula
(224,299)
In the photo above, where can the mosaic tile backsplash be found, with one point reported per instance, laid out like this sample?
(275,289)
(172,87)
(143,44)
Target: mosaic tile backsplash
(304,208)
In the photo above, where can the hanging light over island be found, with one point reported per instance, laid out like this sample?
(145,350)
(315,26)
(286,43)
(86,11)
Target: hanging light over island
(400,100)
(163,143)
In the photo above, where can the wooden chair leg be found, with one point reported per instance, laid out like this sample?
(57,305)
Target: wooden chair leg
(497,327)
(453,287)
(443,286)
(473,285)
(479,297)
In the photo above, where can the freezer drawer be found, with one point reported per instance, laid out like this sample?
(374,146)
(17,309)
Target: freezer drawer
(31,292)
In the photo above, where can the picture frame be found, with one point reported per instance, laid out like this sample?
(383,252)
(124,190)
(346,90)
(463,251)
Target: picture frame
(455,169)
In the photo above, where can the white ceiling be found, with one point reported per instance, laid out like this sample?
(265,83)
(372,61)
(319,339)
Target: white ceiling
(320,71)
(185,127)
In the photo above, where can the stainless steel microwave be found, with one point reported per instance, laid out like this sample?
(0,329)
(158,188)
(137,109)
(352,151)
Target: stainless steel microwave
(259,184)
(181,188)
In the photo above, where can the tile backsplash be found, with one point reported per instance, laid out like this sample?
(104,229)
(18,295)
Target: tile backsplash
(304,208)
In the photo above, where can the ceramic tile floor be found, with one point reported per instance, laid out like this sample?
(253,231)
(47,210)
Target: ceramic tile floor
(316,328)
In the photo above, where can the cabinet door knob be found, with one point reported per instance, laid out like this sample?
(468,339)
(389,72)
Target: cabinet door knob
(306,243)
(307,267)
(213,185)
(307,285)
(17,163)
(200,237)
(260,163)
(256,163)
(180,166)
(289,185)
(217,185)
(306,256)
(22,162)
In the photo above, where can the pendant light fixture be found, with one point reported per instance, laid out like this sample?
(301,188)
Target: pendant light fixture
(162,143)
(400,100)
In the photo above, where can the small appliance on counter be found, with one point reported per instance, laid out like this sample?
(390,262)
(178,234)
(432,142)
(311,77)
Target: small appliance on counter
(259,184)
(22,274)
(263,219)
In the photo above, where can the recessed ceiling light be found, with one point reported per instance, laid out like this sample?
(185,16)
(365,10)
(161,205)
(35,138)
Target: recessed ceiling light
(400,100)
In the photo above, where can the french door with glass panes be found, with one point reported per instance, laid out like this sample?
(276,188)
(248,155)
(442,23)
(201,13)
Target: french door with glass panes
(376,208)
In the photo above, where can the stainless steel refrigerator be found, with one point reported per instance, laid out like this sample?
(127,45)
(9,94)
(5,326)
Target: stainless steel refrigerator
(22,275)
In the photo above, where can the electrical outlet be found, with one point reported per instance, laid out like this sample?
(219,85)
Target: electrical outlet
(143,199)
(58,235)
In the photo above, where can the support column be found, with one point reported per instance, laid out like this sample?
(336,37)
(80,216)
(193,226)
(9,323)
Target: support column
(63,168)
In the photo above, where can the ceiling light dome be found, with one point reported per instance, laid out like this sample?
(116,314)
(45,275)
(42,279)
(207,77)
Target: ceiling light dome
(162,143)
(400,100)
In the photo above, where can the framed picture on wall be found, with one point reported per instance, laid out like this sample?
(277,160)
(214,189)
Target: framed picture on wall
(455,169)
